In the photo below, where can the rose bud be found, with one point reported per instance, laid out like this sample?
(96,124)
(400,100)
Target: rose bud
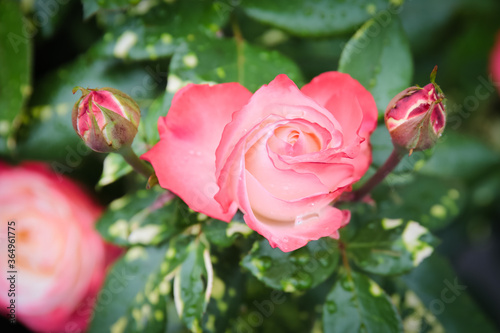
(416,116)
(106,119)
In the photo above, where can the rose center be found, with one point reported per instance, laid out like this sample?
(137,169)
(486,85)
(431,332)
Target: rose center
(293,136)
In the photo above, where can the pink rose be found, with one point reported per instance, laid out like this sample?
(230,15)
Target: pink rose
(59,258)
(495,61)
(281,155)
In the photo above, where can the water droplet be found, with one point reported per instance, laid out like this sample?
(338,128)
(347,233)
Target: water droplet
(191,152)
(309,217)
(324,261)
(300,258)
(198,153)
(362,329)
(285,239)
(262,263)
(347,284)
(301,280)
(191,311)
(331,306)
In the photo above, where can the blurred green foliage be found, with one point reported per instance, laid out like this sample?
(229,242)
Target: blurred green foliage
(184,271)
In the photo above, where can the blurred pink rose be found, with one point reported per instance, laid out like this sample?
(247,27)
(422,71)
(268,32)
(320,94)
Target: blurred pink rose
(281,155)
(495,62)
(60,259)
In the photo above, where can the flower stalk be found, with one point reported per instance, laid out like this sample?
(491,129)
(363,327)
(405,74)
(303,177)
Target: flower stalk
(135,162)
(389,165)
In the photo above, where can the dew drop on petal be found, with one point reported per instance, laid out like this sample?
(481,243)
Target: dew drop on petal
(308,217)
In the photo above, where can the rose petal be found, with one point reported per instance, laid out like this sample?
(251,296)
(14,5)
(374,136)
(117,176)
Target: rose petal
(286,184)
(184,159)
(336,91)
(311,218)
(282,98)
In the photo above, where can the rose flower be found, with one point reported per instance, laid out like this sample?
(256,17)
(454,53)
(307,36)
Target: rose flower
(281,155)
(59,258)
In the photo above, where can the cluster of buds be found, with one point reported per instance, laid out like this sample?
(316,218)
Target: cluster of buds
(416,116)
(106,119)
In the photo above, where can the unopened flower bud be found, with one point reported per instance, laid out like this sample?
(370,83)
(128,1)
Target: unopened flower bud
(106,119)
(416,116)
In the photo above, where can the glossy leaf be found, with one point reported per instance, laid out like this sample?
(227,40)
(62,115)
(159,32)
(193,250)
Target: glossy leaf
(460,156)
(133,298)
(222,233)
(158,108)
(390,246)
(146,217)
(313,18)
(113,168)
(193,285)
(162,29)
(437,285)
(298,270)
(379,57)
(90,7)
(15,64)
(226,295)
(51,13)
(433,201)
(382,148)
(357,304)
(224,60)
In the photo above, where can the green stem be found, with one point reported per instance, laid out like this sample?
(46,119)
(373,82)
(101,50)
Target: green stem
(139,165)
(389,165)
(345,260)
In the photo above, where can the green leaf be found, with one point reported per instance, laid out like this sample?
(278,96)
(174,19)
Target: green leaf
(390,246)
(90,7)
(357,304)
(379,57)
(416,317)
(224,60)
(146,217)
(48,15)
(193,285)
(221,233)
(313,18)
(133,298)
(298,270)
(460,156)
(49,134)
(437,285)
(15,64)
(382,148)
(226,296)
(162,29)
(113,168)
(158,109)
(433,201)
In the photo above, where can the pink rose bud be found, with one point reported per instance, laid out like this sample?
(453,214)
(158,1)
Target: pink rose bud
(106,119)
(416,116)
